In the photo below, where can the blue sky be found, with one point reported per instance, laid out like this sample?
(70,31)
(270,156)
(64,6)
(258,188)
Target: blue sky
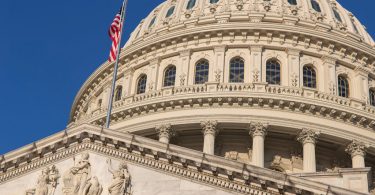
(49,48)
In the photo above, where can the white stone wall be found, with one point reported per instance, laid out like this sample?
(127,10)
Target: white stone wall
(144,181)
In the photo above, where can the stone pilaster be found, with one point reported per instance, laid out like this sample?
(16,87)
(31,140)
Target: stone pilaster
(256,60)
(210,130)
(258,131)
(165,133)
(357,151)
(308,139)
(330,80)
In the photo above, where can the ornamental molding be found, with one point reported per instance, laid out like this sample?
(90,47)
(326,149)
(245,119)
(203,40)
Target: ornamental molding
(179,162)
(149,103)
(165,131)
(308,136)
(258,129)
(209,127)
(356,148)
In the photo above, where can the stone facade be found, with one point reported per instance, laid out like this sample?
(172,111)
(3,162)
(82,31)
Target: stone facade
(240,97)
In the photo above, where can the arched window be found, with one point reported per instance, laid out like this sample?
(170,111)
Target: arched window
(214,1)
(337,15)
(292,2)
(343,86)
(273,72)
(141,84)
(169,76)
(237,69)
(201,71)
(190,4)
(315,5)
(170,12)
(118,93)
(309,77)
(152,22)
(355,27)
(372,97)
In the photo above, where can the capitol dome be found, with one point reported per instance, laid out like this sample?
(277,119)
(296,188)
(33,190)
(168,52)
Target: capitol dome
(285,85)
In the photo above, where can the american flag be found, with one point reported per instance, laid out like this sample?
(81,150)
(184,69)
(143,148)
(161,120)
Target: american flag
(115,33)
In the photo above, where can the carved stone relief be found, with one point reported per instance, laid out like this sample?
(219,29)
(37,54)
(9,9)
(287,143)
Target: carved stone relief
(121,183)
(46,183)
(78,179)
(239,156)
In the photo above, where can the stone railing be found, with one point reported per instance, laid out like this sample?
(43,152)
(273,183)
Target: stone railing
(259,90)
(235,87)
(190,89)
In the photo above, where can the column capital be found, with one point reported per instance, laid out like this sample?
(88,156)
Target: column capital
(258,129)
(209,127)
(356,148)
(308,136)
(165,131)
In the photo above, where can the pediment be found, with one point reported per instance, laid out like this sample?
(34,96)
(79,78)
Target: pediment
(61,162)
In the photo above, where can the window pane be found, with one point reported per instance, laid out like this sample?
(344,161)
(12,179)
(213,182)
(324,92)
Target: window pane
(337,15)
(170,12)
(309,77)
(190,4)
(152,22)
(315,6)
(372,97)
(236,73)
(273,72)
(141,86)
(292,2)
(170,76)
(201,72)
(118,93)
(343,87)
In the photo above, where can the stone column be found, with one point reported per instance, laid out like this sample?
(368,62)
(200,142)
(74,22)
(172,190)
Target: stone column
(308,139)
(258,131)
(357,150)
(209,129)
(165,133)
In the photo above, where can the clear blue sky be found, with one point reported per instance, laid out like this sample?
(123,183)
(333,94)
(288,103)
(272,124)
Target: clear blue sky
(49,48)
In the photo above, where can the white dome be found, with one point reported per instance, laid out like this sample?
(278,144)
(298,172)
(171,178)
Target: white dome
(175,14)
(287,71)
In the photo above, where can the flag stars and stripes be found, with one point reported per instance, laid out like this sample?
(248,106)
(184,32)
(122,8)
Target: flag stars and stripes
(114,34)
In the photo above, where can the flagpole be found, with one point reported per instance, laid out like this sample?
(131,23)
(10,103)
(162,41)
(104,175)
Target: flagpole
(109,110)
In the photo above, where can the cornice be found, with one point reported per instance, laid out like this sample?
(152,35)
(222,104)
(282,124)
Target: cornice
(231,176)
(289,99)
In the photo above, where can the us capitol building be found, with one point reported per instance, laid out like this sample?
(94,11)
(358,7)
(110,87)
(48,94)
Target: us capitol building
(219,97)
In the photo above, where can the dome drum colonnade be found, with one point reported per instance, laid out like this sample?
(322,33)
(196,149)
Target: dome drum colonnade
(258,132)
(316,59)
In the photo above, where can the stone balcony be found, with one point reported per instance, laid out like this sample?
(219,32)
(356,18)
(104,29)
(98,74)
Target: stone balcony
(302,100)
